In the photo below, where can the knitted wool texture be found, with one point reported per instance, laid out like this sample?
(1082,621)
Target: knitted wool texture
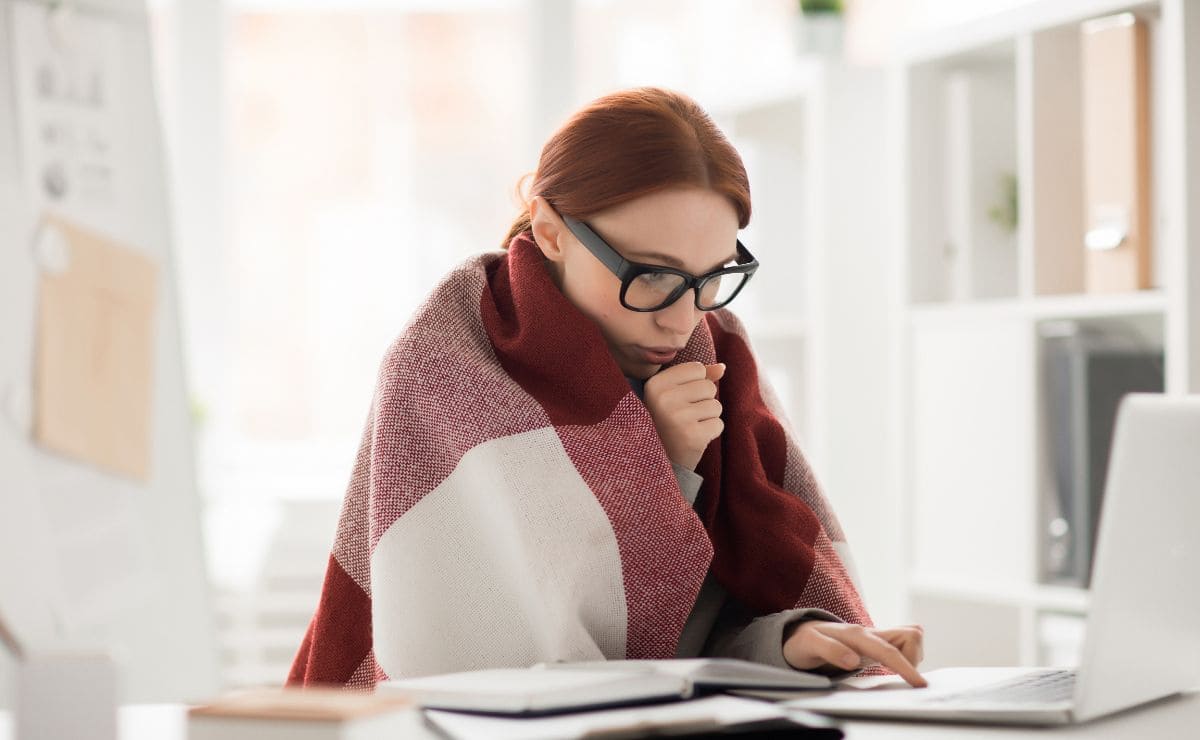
(511,501)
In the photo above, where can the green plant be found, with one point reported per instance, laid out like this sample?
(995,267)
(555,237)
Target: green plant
(820,6)
(199,411)
(1004,213)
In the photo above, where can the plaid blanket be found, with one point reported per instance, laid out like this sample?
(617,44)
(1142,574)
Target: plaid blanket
(511,502)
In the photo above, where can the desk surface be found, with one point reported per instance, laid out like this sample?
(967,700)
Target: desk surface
(1176,716)
(1172,717)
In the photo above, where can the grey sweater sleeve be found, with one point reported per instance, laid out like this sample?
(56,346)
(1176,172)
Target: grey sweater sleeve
(689,482)
(734,633)
(761,639)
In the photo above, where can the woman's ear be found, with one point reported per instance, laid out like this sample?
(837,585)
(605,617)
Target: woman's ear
(548,228)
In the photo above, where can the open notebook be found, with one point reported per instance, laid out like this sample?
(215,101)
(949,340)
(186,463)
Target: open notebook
(559,687)
(708,717)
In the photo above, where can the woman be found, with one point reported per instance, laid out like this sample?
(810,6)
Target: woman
(571,454)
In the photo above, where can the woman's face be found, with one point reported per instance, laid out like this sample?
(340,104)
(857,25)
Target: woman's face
(691,229)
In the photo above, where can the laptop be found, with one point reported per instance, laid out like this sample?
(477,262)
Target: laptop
(1143,635)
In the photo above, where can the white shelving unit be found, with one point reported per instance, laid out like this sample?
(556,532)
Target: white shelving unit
(1002,97)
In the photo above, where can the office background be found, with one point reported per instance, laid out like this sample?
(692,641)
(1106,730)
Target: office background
(329,161)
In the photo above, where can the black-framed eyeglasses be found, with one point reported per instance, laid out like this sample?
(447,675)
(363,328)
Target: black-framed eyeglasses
(654,287)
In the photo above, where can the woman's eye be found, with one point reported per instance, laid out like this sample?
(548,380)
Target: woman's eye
(657,277)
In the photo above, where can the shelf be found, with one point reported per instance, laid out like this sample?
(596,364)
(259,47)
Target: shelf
(1041,597)
(955,310)
(1061,598)
(1098,306)
(1080,306)
(968,38)
(981,378)
(996,167)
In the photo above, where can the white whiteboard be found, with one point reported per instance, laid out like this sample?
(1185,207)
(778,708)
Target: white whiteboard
(89,557)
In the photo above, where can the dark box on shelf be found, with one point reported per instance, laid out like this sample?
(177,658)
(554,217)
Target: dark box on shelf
(1087,370)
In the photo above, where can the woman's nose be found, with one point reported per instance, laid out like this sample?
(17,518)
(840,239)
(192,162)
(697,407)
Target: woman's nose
(679,317)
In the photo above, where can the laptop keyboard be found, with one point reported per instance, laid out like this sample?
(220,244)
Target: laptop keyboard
(1033,688)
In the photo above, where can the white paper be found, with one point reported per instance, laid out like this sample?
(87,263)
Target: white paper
(712,713)
(706,671)
(518,690)
(67,69)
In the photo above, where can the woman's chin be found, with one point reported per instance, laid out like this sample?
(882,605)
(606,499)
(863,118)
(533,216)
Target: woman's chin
(639,369)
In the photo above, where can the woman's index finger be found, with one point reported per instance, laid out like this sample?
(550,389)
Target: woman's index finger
(876,648)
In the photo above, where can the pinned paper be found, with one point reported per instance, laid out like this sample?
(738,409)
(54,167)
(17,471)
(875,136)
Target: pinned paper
(95,349)
(68,85)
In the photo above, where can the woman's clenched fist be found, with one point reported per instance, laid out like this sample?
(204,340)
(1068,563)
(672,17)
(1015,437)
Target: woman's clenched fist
(682,401)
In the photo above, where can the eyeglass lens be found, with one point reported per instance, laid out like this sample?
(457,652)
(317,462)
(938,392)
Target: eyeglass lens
(652,290)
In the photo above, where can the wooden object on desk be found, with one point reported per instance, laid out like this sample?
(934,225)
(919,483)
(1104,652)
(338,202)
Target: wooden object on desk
(1116,139)
(300,714)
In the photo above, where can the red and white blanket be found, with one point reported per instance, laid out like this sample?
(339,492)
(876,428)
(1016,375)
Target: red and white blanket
(511,502)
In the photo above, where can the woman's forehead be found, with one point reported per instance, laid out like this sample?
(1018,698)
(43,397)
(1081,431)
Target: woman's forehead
(693,229)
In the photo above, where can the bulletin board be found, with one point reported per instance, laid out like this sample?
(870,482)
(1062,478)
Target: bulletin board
(100,537)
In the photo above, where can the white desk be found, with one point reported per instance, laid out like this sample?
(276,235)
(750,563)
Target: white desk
(1175,717)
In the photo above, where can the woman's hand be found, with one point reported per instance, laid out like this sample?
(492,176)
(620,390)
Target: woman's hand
(816,644)
(682,401)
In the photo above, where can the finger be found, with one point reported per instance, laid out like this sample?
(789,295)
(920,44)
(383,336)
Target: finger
(693,391)
(704,410)
(715,371)
(908,645)
(831,651)
(908,639)
(712,428)
(891,657)
(676,374)
(909,631)
(879,649)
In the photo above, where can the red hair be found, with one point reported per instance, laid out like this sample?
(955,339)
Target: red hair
(629,144)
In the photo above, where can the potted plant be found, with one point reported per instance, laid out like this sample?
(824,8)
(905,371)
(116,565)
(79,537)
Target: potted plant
(820,27)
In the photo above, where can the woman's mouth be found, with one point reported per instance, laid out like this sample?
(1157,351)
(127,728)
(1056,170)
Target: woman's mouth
(657,355)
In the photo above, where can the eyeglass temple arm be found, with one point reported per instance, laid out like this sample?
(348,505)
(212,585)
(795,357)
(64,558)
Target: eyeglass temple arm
(750,259)
(606,254)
